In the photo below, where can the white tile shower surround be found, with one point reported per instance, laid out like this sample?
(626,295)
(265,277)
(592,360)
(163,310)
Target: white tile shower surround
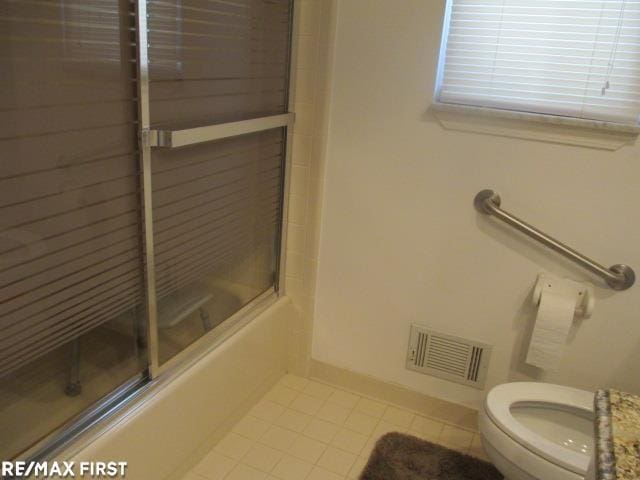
(306,430)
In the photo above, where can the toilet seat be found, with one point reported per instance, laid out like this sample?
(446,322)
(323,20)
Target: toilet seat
(498,407)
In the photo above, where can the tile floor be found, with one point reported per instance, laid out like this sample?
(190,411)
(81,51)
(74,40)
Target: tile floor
(307,430)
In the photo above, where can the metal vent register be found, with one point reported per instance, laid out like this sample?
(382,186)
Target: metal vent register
(456,359)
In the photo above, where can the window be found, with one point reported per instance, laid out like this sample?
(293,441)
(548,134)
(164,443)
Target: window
(569,58)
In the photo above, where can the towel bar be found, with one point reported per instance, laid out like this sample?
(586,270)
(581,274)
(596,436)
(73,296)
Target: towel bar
(192,136)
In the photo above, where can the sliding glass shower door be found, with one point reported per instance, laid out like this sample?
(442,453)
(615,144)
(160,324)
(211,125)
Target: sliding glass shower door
(216,212)
(71,285)
(141,191)
(216,204)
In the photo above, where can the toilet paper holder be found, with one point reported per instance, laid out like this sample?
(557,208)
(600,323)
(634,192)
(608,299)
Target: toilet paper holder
(584,295)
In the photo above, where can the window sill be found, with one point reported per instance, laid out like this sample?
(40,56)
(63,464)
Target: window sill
(532,126)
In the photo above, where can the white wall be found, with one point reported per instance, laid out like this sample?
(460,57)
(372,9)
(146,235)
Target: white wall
(401,242)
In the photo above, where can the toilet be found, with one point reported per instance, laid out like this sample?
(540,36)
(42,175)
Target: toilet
(538,431)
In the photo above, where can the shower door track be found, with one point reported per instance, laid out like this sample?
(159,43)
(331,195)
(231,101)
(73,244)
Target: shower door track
(102,410)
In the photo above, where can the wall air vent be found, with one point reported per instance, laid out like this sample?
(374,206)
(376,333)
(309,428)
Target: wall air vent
(456,359)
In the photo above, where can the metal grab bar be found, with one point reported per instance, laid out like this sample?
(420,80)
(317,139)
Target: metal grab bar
(618,277)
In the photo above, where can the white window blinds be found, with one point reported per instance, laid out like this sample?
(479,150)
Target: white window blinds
(572,58)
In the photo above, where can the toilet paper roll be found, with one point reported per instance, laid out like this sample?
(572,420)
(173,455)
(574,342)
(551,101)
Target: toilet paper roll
(553,322)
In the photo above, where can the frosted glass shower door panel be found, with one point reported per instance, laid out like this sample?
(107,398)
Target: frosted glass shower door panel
(215,61)
(216,205)
(216,211)
(71,286)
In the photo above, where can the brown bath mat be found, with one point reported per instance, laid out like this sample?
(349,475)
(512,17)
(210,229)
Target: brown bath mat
(402,457)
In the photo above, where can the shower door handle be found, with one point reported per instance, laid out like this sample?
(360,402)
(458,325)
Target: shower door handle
(192,136)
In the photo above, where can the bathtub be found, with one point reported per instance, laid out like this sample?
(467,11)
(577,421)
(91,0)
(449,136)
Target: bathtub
(167,428)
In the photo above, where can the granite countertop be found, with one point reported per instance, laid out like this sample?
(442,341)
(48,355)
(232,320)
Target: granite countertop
(617,417)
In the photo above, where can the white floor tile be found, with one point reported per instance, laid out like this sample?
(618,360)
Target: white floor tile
(345,399)
(267,410)
(361,423)
(307,430)
(307,449)
(282,395)
(245,472)
(369,446)
(357,467)
(291,468)
(455,438)
(293,420)
(337,461)
(193,476)
(294,382)
(371,407)
(278,438)
(307,404)
(318,390)
(333,413)
(398,416)
(262,457)
(349,441)
(233,445)
(384,427)
(476,449)
(321,430)
(251,427)
(321,474)
(214,466)
(426,428)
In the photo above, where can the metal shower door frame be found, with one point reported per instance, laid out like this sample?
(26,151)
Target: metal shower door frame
(148,139)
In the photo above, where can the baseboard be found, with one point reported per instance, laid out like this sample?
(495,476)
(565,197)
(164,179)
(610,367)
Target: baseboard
(451,413)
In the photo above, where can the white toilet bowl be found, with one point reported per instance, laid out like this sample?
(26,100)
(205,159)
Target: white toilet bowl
(538,431)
